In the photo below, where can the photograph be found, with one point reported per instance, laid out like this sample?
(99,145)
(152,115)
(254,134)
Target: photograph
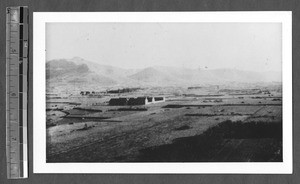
(169,90)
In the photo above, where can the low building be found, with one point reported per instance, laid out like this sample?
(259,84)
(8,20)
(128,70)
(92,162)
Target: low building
(118,101)
(138,101)
(159,99)
(135,101)
(150,99)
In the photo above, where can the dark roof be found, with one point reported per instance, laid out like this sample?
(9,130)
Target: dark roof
(118,101)
(137,101)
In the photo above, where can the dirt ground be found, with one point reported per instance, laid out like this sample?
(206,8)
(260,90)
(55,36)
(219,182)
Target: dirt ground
(190,132)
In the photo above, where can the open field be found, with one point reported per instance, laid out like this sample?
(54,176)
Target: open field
(204,128)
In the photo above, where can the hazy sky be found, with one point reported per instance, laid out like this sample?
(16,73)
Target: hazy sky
(244,46)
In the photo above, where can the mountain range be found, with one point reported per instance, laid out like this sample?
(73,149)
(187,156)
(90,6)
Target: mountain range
(78,71)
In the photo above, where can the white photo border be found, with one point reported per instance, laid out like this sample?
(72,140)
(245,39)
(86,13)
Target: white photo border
(39,101)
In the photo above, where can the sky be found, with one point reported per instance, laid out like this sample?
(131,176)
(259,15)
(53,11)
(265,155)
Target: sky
(243,46)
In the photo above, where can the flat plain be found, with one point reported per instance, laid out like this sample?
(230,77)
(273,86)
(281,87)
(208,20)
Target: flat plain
(206,124)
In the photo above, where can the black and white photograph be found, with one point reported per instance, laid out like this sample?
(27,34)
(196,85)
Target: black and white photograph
(164,92)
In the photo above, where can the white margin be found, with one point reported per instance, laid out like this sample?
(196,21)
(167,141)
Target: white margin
(39,104)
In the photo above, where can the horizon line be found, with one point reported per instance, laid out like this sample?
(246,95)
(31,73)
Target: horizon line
(152,66)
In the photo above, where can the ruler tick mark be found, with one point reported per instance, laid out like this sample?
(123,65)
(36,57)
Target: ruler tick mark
(16,46)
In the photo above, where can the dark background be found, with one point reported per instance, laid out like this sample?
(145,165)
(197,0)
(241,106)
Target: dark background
(149,5)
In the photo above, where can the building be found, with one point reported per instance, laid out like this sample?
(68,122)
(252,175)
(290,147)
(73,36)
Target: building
(150,99)
(138,101)
(159,99)
(118,101)
(135,101)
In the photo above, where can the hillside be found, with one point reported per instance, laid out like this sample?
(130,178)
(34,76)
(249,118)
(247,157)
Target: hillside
(68,74)
(79,72)
(153,76)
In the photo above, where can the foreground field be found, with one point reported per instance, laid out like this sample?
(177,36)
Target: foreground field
(181,129)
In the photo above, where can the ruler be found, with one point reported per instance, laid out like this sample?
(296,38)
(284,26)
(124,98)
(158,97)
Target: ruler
(16,91)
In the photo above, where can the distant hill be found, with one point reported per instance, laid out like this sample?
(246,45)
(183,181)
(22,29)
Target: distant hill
(105,70)
(114,73)
(77,71)
(60,68)
(66,73)
(154,76)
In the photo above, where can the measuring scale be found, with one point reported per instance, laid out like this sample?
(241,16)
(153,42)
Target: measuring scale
(16,91)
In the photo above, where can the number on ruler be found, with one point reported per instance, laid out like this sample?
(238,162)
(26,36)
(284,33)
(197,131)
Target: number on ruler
(14,15)
(13,51)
